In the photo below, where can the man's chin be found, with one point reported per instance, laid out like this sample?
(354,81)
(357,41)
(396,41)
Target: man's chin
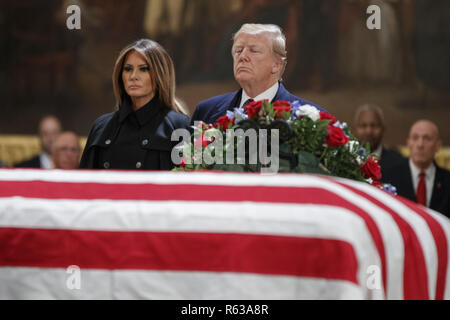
(242,79)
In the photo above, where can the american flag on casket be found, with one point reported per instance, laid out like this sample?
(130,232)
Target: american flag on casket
(211,235)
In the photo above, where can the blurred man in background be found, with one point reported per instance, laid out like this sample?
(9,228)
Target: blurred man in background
(66,151)
(49,129)
(369,128)
(419,178)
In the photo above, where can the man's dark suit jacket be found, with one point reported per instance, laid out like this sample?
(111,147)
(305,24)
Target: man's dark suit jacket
(400,177)
(388,159)
(211,109)
(34,162)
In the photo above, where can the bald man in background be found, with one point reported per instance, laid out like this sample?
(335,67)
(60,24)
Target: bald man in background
(49,128)
(419,178)
(66,151)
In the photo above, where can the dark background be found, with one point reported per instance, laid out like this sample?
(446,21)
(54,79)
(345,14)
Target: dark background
(333,59)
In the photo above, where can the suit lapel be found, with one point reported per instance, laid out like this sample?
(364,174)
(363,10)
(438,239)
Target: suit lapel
(236,101)
(282,93)
(438,188)
(408,186)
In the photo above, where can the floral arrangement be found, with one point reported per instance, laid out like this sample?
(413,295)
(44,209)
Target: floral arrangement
(309,141)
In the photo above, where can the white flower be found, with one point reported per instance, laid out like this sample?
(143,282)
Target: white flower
(212,133)
(312,112)
(352,145)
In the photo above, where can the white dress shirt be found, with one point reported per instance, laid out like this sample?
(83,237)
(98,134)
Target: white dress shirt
(46,161)
(378,151)
(430,172)
(269,94)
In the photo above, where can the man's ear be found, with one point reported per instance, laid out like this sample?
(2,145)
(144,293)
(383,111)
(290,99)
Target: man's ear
(277,65)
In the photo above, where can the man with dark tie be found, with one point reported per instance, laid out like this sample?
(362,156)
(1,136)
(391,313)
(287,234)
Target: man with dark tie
(259,59)
(419,178)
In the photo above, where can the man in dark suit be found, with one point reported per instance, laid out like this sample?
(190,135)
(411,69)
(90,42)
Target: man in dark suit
(369,127)
(49,129)
(259,59)
(419,178)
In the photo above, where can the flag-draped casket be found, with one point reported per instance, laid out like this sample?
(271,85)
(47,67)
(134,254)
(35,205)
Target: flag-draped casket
(214,235)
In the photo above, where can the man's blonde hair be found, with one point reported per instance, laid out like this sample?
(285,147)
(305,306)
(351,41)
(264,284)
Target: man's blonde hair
(277,37)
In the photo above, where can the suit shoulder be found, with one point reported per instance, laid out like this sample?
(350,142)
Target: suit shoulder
(402,164)
(178,120)
(101,122)
(443,172)
(302,101)
(103,119)
(398,171)
(216,99)
(392,153)
(33,162)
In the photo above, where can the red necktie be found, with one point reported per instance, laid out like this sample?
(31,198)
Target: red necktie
(247,102)
(421,195)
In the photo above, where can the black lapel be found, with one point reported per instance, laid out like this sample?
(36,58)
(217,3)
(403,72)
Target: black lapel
(438,188)
(408,186)
(236,101)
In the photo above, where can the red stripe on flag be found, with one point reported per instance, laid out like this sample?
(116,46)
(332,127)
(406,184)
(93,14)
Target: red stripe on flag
(267,194)
(440,240)
(415,276)
(182,251)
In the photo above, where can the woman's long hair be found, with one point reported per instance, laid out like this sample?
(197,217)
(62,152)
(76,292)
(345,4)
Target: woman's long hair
(162,73)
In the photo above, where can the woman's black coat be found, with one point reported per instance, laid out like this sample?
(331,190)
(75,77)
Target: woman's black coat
(153,149)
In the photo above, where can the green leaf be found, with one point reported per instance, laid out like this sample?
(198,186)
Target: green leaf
(228,167)
(284,165)
(285,148)
(268,107)
(286,115)
(307,159)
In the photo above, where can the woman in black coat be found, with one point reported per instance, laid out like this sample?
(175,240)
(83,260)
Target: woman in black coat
(138,134)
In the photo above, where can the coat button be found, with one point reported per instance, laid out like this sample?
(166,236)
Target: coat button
(108,141)
(145,142)
(106,164)
(138,165)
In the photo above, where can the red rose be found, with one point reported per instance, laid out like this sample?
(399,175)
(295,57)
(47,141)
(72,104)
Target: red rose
(183,163)
(280,106)
(223,122)
(253,108)
(203,141)
(327,116)
(371,169)
(377,183)
(336,137)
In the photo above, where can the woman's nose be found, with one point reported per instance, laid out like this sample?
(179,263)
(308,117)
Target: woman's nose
(133,74)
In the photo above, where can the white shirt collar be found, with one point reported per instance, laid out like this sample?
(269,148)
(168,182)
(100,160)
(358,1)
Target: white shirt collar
(46,161)
(269,94)
(378,150)
(429,178)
